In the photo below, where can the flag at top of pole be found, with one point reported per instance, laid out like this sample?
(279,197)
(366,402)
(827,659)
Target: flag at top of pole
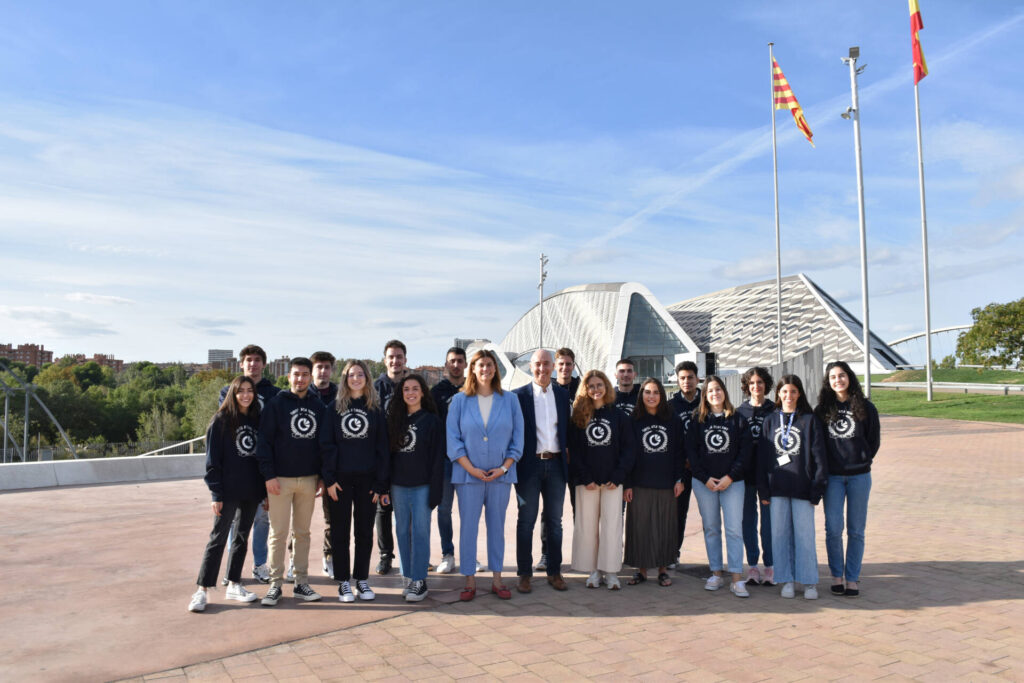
(785,99)
(916,24)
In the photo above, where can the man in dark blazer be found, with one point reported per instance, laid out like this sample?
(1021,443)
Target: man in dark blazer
(543,469)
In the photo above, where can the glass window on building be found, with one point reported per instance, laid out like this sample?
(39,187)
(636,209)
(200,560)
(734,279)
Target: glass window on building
(649,341)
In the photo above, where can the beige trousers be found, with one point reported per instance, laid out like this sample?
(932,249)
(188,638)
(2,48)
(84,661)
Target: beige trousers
(597,531)
(291,509)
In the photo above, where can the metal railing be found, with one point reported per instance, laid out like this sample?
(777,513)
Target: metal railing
(966,387)
(116,450)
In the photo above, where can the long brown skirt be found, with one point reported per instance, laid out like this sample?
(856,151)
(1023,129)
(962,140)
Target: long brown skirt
(651,528)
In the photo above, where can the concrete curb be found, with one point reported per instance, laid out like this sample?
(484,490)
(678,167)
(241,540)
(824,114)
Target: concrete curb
(34,475)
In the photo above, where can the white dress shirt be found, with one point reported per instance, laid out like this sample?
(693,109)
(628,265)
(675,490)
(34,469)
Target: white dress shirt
(547,419)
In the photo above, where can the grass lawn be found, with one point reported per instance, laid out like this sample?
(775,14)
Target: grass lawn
(959,375)
(951,406)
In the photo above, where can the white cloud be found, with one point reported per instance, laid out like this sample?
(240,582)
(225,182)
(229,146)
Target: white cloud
(56,322)
(101,299)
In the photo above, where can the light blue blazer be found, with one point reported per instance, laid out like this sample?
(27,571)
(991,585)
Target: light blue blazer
(487,447)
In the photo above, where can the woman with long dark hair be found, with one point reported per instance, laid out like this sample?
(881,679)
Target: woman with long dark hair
(417,471)
(792,472)
(355,478)
(601,453)
(718,448)
(756,383)
(233,477)
(852,441)
(653,485)
(485,438)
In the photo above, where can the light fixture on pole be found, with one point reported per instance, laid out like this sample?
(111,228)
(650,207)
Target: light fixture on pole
(540,297)
(853,113)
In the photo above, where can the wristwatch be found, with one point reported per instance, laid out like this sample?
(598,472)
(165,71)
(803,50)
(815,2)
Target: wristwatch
(504,469)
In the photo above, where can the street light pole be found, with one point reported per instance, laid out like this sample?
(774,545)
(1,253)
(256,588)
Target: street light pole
(853,111)
(540,297)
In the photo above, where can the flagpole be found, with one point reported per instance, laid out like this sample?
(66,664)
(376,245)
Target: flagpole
(775,177)
(924,246)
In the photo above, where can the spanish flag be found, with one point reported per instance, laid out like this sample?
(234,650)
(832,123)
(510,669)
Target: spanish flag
(785,99)
(916,24)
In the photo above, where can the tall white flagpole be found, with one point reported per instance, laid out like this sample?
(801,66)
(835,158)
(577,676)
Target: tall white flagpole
(924,247)
(775,177)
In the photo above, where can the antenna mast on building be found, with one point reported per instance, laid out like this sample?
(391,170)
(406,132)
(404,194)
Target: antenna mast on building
(540,297)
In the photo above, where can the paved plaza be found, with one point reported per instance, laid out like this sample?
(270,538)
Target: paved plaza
(98,578)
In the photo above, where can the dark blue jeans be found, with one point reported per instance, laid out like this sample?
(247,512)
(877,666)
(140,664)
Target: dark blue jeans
(547,482)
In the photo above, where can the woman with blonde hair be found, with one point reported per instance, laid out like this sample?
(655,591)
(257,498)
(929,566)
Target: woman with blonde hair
(485,437)
(602,451)
(355,478)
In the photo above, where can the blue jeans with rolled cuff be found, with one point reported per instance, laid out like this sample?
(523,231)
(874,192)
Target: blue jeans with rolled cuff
(854,491)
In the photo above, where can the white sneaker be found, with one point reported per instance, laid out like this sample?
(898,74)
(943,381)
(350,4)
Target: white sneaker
(364,590)
(345,592)
(739,589)
(754,575)
(198,603)
(594,580)
(329,567)
(261,573)
(478,567)
(613,582)
(768,578)
(787,590)
(446,565)
(406,582)
(290,576)
(542,564)
(237,591)
(714,583)
(810,593)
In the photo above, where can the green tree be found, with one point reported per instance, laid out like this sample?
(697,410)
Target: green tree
(202,398)
(996,338)
(158,425)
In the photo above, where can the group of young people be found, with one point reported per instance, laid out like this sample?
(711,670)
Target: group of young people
(627,455)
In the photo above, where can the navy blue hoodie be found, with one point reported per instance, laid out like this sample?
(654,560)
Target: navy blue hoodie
(718,446)
(327,395)
(232,472)
(442,393)
(852,444)
(419,461)
(360,444)
(683,408)
(659,453)
(754,415)
(385,389)
(793,467)
(626,400)
(603,451)
(295,436)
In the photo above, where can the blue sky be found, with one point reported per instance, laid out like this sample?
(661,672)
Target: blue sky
(179,176)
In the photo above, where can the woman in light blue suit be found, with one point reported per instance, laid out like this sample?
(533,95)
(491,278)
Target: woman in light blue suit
(485,437)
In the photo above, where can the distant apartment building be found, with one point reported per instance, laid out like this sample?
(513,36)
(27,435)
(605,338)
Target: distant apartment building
(106,360)
(222,359)
(30,354)
(280,366)
(431,373)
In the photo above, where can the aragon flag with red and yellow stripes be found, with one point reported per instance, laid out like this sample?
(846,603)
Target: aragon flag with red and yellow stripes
(916,24)
(785,99)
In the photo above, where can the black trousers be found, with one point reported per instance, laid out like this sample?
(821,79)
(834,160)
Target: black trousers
(210,567)
(544,529)
(683,506)
(352,512)
(385,538)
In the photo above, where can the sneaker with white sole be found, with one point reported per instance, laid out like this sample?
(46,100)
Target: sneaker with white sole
(329,567)
(810,593)
(613,582)
(542,564)
(594,580)
(768,577)
(478,566)
(417,591)
(739,589)
(261,572)
(364,590)
(239,593)
(754,576)
(345,592)
(304,592)
(788,591)
(198,602)
(406,583)
(446,565)
(272,597)
(225,581)
(290,574)
(714,583)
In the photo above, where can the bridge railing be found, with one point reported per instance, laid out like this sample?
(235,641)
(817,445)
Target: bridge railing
(117,450)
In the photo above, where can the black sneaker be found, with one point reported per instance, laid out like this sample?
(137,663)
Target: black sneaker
(384,566)
(304,592)
(417,591)
(272,596)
